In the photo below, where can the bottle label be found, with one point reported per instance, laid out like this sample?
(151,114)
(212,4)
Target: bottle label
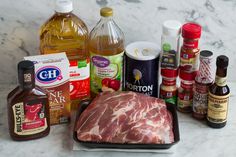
(169,96)
(79,79)
(189,61)
(169,56)
(217,108)
(106,72)
(185,100)
(29,118)
(200,98)
(220,81)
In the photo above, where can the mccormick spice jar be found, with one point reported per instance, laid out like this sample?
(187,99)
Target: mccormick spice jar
(185,92)
(189,55)
(141,67)
(168,88)
(203,80)
(28,111)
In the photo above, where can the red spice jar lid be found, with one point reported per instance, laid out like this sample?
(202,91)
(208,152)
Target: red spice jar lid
(191,30)
(188,76)
(172,73)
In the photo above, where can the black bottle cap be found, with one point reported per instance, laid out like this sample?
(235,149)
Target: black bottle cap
(222,61)
(26,75)
(206,53)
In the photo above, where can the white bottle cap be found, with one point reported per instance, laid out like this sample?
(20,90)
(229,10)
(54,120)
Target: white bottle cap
(171,28)
(63,6)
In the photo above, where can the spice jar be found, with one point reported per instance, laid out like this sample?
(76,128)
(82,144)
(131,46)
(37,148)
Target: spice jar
(189,55)
(168,88)
(170,40)
(185,92)
(203,80)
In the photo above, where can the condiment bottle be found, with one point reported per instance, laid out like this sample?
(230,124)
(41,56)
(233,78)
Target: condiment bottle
(170,40)
(218,98)
(106,46)
(168,88)
(203,80)
(65,32)
(189,54)
(185,92)
(28,111)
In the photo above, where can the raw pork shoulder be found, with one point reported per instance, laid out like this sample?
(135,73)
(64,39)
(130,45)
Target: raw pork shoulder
(126,117)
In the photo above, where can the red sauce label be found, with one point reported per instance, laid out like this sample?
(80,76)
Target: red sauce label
(29,118)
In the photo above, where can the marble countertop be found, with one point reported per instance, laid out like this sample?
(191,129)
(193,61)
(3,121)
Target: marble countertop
(196,138)
(140,20)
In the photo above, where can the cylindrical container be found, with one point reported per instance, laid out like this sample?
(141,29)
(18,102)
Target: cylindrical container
(189,54)
(168,88)
(170,40)
(185,92)
(141,67)
(203,80)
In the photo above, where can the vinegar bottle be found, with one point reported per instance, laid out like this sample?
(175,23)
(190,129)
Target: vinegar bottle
(65,32)
(106,47)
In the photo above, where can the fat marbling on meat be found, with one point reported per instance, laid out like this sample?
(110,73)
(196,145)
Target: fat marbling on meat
(126,117)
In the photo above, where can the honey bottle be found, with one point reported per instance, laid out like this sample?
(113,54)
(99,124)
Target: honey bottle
(218,98)
(28,110)
(106,46)
(65,32)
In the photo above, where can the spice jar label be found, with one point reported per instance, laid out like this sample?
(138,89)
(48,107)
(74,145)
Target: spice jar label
(29,118)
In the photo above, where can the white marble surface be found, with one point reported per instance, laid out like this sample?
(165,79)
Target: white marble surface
(140,20)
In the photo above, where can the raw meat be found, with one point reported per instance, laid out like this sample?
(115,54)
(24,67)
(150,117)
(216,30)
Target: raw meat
(126,117)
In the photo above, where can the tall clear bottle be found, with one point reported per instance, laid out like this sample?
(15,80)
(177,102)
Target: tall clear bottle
(65,32)
(106,47)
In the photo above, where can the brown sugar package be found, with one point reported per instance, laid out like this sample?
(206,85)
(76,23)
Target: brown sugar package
(52,73)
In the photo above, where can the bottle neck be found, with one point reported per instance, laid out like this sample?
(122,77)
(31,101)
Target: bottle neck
(63,14)
(109,18)
(26,80)
(221,74)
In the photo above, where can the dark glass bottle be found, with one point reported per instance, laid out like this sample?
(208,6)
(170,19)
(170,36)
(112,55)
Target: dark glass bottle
(218,97)
(28,111)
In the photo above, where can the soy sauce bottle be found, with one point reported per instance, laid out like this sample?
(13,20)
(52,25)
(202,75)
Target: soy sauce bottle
(218,97)
(28,111)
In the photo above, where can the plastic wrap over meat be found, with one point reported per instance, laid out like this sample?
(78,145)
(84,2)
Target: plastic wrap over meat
(126,117)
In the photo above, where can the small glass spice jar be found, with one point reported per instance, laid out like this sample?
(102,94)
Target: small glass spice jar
(168,88)
(185,92)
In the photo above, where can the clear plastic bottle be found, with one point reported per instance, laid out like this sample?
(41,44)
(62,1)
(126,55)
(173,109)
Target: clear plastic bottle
(65,32)
(106,47)
(170,40)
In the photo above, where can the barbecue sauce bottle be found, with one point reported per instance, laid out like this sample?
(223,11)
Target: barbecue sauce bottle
(28,112)
(218,97)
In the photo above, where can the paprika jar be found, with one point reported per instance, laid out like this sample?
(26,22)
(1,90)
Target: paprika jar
(189,54)
(185,92)
(168,88)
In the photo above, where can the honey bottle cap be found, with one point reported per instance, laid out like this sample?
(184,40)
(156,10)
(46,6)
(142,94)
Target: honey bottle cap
(63,6)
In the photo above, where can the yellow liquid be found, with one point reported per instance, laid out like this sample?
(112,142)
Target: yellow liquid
(105,46)
(65,32)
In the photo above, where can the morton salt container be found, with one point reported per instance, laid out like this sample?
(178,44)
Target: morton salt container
(141,67)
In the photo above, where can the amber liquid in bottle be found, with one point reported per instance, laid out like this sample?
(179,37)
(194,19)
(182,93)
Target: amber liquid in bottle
(28,111)
(218,96)
(65,32)
(106,42)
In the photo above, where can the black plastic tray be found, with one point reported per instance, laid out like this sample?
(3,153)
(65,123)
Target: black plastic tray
(91,144)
